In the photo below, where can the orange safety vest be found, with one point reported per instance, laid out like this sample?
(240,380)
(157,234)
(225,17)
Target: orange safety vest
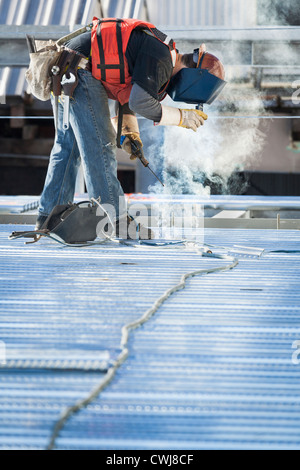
(109,64)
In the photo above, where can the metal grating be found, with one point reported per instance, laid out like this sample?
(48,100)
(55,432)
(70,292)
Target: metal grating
(211,370)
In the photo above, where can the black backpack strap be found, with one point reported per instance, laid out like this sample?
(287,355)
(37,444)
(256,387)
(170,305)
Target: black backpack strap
(103,66)
(120,121)
(163,37)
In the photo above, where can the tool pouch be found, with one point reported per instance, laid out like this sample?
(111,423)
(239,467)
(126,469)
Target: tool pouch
(38,74)
(73,223)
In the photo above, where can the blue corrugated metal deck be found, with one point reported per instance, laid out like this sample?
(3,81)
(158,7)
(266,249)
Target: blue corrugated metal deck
(212,369)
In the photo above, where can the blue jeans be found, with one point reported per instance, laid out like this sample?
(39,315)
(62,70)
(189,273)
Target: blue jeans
(90,139)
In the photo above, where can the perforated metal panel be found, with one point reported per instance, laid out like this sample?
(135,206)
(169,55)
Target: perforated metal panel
(212,369)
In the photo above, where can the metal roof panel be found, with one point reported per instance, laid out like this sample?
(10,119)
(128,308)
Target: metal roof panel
(213,369)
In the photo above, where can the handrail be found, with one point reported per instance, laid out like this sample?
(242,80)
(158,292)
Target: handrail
(287,33)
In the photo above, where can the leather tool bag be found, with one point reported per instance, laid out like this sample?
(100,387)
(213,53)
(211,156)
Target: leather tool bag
(72,223)
(38,74)
(43,56)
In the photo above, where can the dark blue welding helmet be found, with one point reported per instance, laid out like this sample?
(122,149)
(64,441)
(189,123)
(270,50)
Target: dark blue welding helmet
(201,83)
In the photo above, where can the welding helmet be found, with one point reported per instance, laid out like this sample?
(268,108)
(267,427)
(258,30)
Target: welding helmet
(201,83)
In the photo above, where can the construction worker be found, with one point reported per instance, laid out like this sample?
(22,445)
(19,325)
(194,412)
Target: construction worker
(133,63)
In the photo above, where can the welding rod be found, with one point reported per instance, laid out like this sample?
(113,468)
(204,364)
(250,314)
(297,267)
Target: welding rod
(138,152)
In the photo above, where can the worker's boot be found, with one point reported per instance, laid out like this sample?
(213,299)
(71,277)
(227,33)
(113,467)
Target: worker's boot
(127,228)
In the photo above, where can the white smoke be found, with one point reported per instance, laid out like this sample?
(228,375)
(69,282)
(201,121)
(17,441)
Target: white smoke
(277,12)
(218,149)
(224,147)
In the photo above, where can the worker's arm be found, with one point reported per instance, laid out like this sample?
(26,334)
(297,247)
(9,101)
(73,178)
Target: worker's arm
(187,118)
(130,133)
(144,104)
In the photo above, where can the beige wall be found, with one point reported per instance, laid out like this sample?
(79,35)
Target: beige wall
(275,157)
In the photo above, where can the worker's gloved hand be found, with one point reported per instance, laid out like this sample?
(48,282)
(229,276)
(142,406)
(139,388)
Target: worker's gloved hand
(130,135)
(188,118)
(192,118)
(132,144)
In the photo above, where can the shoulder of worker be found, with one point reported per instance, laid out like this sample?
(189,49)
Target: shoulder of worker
(143,41)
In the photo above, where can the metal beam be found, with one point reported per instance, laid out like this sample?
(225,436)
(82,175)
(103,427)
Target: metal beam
(248,46)
(18,219)
(254,224)
(283,34)
(13,47)
(221,223)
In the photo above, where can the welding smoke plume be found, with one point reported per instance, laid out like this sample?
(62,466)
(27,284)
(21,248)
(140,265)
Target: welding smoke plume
(193,162)
(216,151)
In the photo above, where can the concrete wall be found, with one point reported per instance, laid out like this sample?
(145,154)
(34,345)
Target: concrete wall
(275,157)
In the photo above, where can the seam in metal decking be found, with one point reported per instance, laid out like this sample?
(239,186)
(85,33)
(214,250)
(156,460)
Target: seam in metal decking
(212,369)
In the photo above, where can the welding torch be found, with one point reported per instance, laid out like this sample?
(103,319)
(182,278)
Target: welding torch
(137,152)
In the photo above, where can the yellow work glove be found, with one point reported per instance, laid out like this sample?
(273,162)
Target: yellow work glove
(130,136)
(192,118)
(132,144)
(188,118)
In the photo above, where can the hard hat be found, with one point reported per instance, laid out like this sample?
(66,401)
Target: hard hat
(201,84)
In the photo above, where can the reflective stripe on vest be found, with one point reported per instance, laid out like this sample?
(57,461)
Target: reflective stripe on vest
(109,43)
